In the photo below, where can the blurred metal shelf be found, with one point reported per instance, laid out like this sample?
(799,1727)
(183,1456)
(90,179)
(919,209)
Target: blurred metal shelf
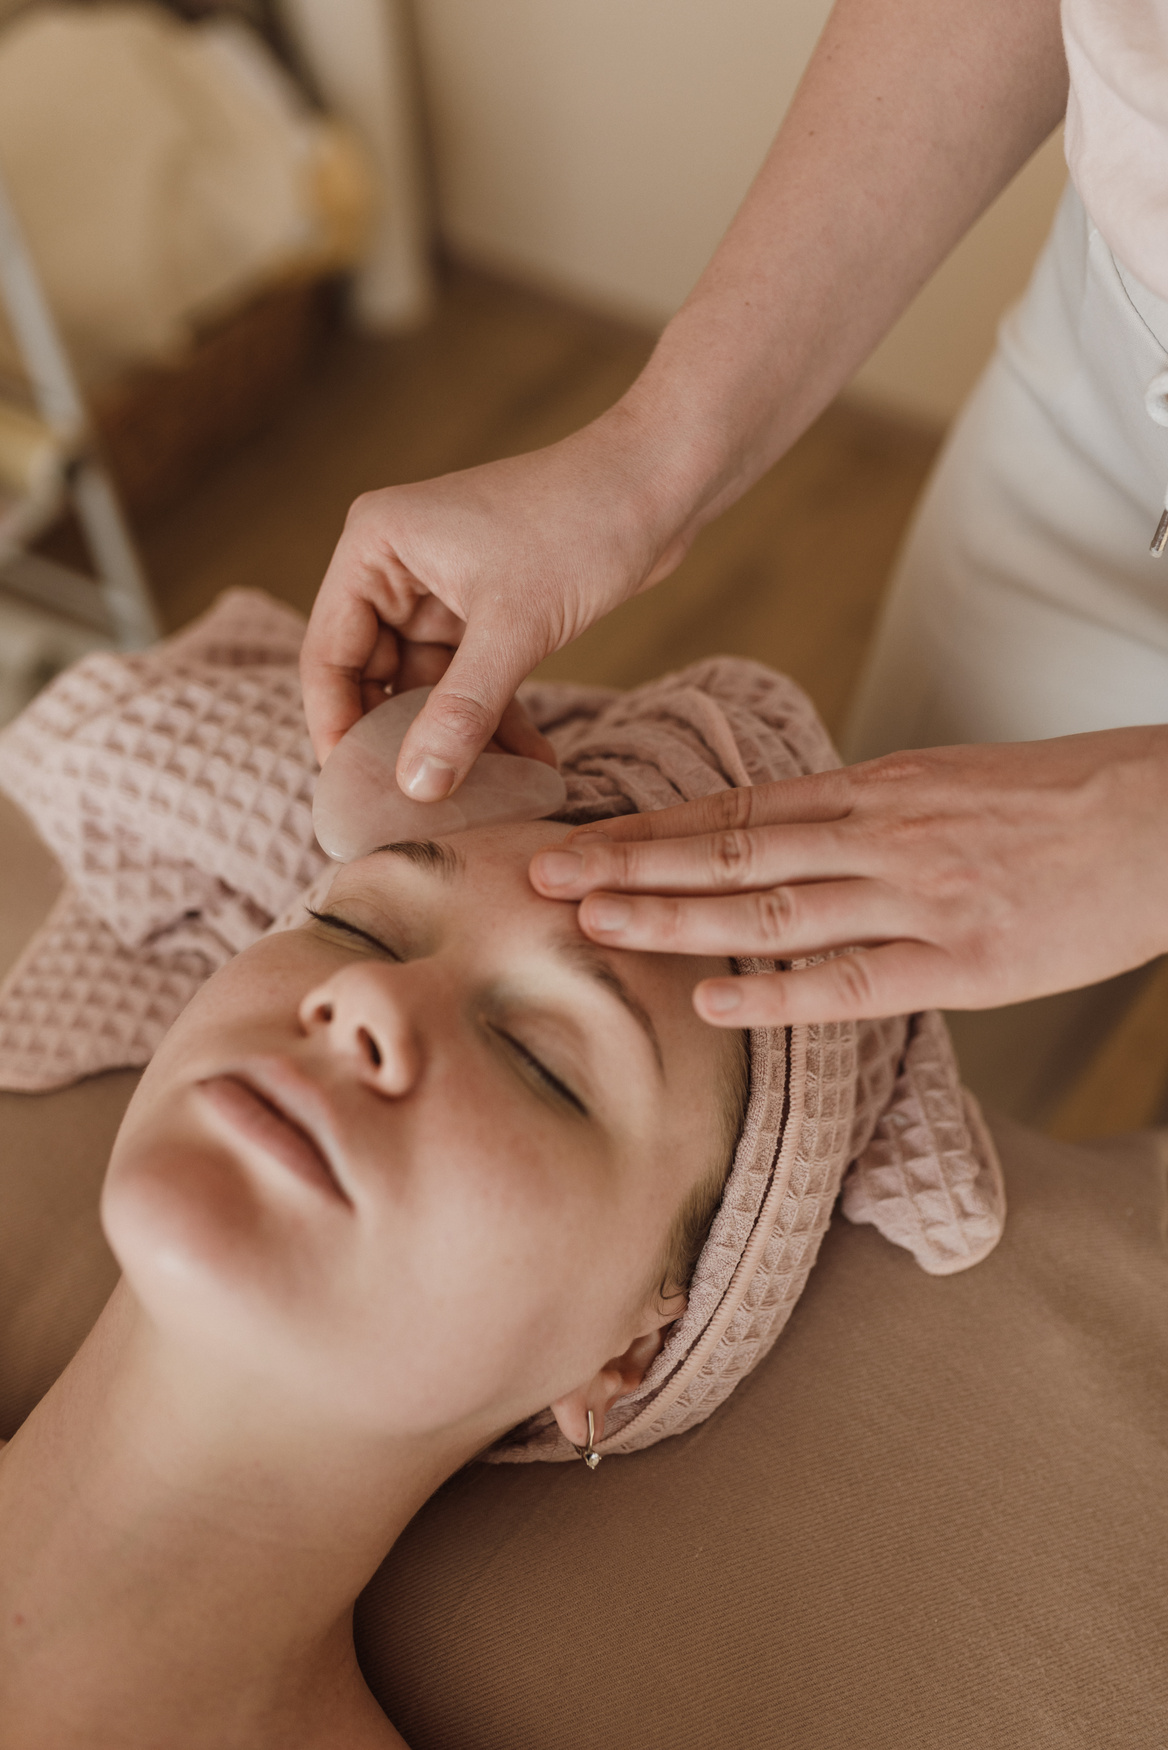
(48,460)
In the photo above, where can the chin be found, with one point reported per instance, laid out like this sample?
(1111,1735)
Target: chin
(193,1240)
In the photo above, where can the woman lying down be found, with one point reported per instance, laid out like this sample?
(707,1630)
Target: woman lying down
(415,1175)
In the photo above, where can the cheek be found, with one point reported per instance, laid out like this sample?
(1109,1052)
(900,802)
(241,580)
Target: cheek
(251,1003)
(512,1196)
(487,1256)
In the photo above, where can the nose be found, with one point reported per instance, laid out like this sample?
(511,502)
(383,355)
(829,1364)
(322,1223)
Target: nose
(363,1014)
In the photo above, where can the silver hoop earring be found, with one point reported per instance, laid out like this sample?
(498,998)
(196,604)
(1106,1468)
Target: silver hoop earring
(589,1453)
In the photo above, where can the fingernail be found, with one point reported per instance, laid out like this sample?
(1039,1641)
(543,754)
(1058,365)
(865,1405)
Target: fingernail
(608,914)
(428,779)
(589,835)
(720,999)
(559,868)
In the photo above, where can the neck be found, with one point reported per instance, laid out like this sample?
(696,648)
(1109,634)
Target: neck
(179,1557)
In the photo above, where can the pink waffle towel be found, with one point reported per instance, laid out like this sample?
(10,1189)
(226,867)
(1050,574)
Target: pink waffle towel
(175,788)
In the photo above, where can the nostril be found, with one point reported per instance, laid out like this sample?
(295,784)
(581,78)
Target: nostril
(325,1013)
(370,1047)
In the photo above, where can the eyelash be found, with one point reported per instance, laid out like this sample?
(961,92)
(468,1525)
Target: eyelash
(559,1088)
(336,923)
(545,1075)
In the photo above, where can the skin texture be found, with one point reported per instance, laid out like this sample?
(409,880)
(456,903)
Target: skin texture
(972,876)
(310,1335)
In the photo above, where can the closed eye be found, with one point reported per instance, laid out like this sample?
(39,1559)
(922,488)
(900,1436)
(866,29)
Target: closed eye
(531,1063)
(542,1072)
(333,922)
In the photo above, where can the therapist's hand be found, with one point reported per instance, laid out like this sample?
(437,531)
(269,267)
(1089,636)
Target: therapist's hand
(502,564)
(970,876)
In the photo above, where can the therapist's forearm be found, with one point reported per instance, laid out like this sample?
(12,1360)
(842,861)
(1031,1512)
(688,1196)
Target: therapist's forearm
(911,117)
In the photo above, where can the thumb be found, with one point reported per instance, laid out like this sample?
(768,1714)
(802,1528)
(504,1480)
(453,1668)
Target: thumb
(462,713)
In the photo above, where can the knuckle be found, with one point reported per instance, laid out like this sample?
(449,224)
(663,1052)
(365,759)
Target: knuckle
(742,807)
(366,504)
(465,718)
(730,810)
(731,854)
(992,936)
(952,882)
(924,859)
(612,861)
(853,979)
(669,921)
(894,768)
(774,914)
(636,863)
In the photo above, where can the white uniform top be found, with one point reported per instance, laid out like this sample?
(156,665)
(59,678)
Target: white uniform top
(1117,127)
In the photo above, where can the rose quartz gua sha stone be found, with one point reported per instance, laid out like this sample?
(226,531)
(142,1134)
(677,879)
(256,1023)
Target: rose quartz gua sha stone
(358,806)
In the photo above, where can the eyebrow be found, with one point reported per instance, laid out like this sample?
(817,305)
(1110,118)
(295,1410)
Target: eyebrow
(426,854)
(589,959)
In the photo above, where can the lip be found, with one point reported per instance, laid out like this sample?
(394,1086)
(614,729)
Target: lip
(274,1108)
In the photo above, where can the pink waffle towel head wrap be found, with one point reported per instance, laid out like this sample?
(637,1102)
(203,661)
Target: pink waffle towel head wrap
(175,788)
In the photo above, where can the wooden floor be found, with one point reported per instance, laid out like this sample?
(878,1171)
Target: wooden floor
(792,575)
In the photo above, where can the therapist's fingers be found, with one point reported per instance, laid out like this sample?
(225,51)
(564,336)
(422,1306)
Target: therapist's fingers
(424,664)
(346,672)
(1003,872)
(733,861)
(903,976)
(421,665)
(371,607)
(466,707)
(778,923)
(432,622)
(817,796)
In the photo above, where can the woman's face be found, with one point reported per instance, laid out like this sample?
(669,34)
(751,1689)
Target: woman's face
(420,1157)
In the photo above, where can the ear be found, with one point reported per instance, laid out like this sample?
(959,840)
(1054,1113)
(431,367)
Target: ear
(615,1380)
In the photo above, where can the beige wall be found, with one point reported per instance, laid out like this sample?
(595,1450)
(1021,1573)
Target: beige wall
(599,147)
